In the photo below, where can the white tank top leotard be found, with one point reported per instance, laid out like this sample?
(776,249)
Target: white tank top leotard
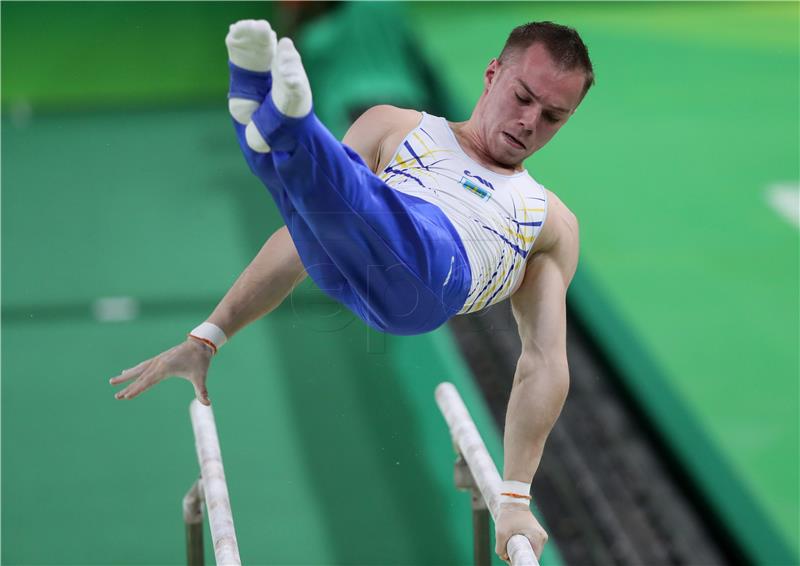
(497,216)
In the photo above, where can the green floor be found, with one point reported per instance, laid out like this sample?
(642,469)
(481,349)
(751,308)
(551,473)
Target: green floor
(688,277)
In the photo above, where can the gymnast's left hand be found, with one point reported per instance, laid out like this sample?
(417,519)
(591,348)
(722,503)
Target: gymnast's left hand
(517,519)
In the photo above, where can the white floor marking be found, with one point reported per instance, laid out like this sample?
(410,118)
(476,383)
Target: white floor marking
(115,309)
(784,198)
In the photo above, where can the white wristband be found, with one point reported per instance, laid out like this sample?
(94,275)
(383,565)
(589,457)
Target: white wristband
(211,332)
(521,492)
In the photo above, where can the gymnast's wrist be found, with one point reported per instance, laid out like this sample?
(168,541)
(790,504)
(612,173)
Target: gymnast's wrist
(209,334)
(516,492)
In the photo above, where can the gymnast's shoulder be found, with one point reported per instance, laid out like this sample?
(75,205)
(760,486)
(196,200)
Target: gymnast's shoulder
(560,231)
(378,131)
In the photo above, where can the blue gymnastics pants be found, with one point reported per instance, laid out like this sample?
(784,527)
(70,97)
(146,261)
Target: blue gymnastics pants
(393,259)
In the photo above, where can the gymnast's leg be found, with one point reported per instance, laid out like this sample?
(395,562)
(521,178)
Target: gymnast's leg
(251,48)
(394,260)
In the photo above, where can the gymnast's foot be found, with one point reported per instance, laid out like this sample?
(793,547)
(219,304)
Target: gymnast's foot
(251,46)
(291,91)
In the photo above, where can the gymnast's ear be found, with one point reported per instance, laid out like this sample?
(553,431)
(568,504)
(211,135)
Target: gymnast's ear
(490,74)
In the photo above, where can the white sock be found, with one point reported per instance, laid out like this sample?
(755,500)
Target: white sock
(242,109)
(291,91)
(251,45)
(254,139)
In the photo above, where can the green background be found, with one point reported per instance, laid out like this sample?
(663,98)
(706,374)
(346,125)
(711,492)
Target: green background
(121,177)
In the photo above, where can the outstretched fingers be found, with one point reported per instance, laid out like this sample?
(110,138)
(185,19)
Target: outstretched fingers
(130,373)
(150,377)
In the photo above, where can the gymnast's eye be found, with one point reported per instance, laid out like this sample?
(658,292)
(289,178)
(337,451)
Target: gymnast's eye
(551,118)
(522,100)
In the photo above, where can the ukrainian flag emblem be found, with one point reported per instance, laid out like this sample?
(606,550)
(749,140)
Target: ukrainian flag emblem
(475,189)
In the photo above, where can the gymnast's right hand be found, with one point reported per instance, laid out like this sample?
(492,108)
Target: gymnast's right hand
(189,360)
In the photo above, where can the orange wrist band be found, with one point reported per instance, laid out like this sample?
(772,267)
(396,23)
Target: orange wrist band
(209,334)
(517,495)
(515,492)
(205,341)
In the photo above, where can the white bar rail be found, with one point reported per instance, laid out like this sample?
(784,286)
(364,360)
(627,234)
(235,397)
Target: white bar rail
(214,488)
(470,444)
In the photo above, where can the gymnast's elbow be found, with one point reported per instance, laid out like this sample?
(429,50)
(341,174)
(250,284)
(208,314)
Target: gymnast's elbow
(544,370)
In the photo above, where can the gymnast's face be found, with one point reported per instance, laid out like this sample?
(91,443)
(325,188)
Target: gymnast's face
(526,100)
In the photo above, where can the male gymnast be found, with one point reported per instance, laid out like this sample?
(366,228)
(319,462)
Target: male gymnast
(411,220)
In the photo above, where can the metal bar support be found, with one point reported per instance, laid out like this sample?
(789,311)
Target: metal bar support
(480,512)
(193,519)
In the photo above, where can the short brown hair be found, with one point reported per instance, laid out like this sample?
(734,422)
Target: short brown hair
(563,44)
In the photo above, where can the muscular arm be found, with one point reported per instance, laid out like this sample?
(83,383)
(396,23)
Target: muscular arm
(541,380)
(262,286)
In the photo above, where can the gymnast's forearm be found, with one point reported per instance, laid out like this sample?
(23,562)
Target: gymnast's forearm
(537,396)
(262,286)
